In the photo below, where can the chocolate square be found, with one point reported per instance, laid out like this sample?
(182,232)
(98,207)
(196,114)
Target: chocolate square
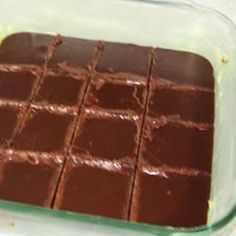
(182,68)
(16,85)
(44,131)
(170,199)
(8,123)
(75,51)
(189,105)
(61,90)
(91,188)
(28,178)
(124,58)
(25,48)
(109,138)
(178,146)
(116,95)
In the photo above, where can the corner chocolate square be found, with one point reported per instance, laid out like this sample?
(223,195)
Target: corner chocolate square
(95,188)
(189,105)
(16,85)
(116,94)
(75,51)
(170,198)
(124,58)
(45,131)
(182,68)
(28,178)
(25,48)
(177,146)
(61,90)
(113,137)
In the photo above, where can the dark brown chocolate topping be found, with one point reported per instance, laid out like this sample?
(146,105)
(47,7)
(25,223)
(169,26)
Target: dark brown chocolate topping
(28,179)
(116,96)
(61,90)
(92,109)
(75,51)
(176,200)
(182,68)
(44,132)
(178,146)
(8,123)
(196,106)
(124,58)
(16,85)
(25,48)
(111,138)
(107,196)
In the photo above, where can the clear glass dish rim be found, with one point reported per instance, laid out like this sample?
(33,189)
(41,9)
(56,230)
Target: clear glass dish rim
(139,227)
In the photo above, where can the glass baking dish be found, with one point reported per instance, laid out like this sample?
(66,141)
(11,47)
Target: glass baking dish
(179,25)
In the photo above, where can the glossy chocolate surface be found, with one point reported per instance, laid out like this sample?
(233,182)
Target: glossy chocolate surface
(94,189)
(178,146)
(16,85)
(44,132)
(61,90)
(8,123)
(124,58)
(25,48)
(115,121)
(110,138)
(173,177)
(28,179)
(171,199)
(182,68)
(116,95)
(75,51)
(189,105)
